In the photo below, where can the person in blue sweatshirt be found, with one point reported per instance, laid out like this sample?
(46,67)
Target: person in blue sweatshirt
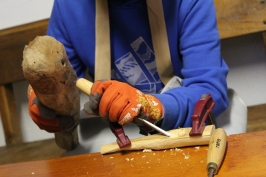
(134,89)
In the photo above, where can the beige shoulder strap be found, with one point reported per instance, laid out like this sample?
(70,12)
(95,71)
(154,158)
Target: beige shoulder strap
(159,39)
(102,41)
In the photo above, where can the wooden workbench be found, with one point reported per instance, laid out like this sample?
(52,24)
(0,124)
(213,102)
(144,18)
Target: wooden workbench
(245,156)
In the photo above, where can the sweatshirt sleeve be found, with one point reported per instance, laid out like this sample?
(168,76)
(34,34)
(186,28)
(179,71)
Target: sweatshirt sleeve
(57,29)
(204,70)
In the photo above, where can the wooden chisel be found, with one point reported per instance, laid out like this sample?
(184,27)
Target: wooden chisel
(216,151)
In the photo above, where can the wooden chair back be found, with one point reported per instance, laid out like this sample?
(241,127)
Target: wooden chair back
(12,43)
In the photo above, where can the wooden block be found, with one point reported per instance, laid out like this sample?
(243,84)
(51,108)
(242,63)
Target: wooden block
(179,138)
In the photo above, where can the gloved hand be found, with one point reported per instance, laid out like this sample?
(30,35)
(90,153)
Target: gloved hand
(122,103)
(46,118)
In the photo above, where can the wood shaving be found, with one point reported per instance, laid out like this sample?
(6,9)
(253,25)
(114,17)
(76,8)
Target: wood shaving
(197,148)
(177,149)
(147,150)
(186,156)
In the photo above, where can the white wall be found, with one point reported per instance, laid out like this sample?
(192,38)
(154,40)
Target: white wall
(17,12)
(244,55)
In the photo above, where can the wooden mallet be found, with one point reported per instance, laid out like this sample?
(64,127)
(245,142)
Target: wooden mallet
(47,69)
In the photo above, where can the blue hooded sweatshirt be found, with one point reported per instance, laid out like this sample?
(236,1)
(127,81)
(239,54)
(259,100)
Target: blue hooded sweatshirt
(194,48)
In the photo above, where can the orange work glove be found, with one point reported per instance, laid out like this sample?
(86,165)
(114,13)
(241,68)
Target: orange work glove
(46,118)
(122,103)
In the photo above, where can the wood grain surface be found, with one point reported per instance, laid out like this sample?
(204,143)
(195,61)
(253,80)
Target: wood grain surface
(256,118)
(245,156)
(240,17)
